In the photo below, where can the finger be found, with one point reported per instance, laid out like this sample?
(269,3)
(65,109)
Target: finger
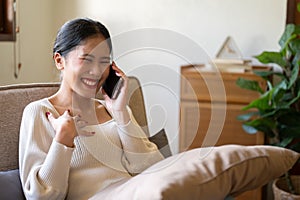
(103,92)
(118,71)
(76,118)
(114,66)
(125,83)
(50,116)
(105,96)
(51,119)
(81,124)
(67,113)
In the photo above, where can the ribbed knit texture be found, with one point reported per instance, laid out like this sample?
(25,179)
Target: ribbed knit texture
(50,170)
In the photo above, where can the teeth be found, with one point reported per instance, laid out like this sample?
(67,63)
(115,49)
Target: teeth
(89,82)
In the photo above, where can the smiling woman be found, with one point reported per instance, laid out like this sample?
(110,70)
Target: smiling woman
(7,20)
(72,137)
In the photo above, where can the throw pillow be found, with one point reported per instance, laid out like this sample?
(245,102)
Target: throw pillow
(206,173)
(10,185)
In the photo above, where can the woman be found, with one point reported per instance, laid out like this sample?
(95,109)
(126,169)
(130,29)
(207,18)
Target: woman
(72,145)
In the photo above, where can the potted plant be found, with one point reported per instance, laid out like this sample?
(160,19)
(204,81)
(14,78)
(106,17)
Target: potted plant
(276,112)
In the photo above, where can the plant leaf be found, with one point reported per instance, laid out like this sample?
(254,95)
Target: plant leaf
(288,32)
(264,125)
(249,84)
(294,45)
(278,94)
(296,58)
(294,76)
(268,113)
(289,131)
(247,116)
(295,99)
(270,100)
(262,103)
(272,57)
(249,129)
(289,118)
(285,142)
(266,74)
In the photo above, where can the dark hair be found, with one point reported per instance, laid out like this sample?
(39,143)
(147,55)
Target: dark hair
(73,32)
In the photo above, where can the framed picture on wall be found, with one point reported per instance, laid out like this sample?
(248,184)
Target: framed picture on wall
(7,20)
(292,14)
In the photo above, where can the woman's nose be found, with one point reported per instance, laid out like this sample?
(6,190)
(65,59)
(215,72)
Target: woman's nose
(96,70)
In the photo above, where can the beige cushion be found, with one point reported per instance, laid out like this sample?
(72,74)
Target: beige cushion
(206,173)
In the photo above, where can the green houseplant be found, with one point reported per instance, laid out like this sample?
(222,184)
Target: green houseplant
(276,112)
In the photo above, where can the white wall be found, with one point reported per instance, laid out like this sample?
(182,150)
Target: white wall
(201,26)
(33,47)
(178,32)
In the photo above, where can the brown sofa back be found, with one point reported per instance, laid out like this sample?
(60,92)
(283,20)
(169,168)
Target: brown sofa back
(14,98)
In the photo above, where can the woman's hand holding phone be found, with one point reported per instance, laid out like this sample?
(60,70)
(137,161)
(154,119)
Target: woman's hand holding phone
(116,101)
(113,83)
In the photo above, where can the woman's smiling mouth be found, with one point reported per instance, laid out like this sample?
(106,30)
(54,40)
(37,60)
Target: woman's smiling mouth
(91,83)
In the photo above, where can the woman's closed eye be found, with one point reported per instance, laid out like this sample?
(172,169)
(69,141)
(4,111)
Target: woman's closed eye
(88,60)
(105,62)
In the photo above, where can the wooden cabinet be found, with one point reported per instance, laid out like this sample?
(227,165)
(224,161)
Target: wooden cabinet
(210,104)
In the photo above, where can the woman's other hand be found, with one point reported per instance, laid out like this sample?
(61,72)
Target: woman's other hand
(67,127)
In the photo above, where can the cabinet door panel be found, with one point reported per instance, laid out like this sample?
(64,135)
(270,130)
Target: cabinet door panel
(200,128)
(196,118)
(218,88)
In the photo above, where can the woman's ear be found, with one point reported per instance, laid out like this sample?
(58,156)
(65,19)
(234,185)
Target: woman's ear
(59,61)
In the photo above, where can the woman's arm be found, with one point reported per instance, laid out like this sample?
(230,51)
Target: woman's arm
(139,152)
(44,163)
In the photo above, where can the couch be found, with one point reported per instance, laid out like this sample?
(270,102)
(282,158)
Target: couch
(209,169)
(14,98)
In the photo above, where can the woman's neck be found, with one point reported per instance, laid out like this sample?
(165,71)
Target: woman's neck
(69,100)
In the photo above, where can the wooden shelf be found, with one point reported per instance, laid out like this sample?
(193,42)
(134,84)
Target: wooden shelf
(210,104)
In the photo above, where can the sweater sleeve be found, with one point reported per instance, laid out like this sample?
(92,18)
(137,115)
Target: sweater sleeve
(139,152)
(44,163)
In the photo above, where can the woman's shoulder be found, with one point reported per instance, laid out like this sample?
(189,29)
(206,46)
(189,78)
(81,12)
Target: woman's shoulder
(41,104)
(102,102)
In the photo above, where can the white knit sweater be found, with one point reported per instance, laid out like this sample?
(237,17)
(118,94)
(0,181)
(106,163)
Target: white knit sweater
(50,170)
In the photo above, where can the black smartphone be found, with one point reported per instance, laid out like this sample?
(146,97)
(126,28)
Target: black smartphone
(113,84)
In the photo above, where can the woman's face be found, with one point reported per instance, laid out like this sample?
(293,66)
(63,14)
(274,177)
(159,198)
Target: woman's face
(86,67)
